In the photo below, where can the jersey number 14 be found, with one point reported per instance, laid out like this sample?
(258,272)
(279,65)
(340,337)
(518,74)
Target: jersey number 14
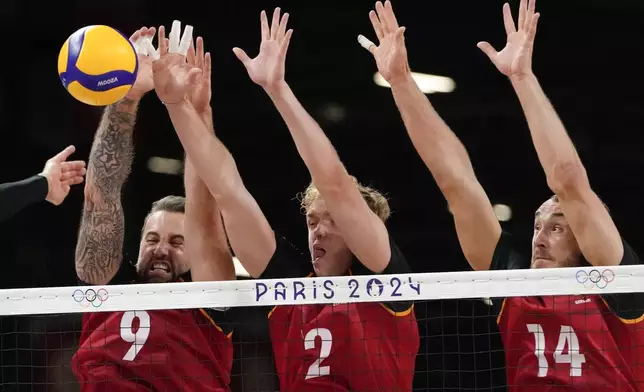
(567,338)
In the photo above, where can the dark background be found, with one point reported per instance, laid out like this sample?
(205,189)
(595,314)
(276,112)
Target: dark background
(587,58)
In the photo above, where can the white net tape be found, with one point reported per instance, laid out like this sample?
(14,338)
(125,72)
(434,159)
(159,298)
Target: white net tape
(457,346)
(328,290)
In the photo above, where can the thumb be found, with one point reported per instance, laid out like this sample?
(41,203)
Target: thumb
(241,55)
(63,155)
(487,49)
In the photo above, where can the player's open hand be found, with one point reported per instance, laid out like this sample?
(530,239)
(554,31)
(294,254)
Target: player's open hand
(142,41)
(391,52)
(515,60)
(61,175)
(267,69)
(173,76)
(201,93)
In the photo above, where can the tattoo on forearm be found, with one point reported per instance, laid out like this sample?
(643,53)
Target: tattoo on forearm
(111,157)
(100,240)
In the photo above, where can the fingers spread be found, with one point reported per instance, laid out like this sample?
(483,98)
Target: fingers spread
(507,19)
(380,10)
(275,23)
(281,33)
(266,34)
(377,26)
(532,28)
(286,42)
(522,15)
(392,23)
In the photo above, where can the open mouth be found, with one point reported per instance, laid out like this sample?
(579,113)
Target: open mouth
(318,252)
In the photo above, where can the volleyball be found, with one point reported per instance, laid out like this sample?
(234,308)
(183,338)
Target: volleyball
(97,65)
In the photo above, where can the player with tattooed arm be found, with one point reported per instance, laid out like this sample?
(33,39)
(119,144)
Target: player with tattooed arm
(181,239)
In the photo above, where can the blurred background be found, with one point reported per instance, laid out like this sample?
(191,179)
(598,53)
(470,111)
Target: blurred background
(586,57)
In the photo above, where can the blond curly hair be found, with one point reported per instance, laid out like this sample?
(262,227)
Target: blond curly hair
(376,201)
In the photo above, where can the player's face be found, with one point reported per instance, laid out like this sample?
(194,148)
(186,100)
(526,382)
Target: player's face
(553,243)
(161,257)
(329,252)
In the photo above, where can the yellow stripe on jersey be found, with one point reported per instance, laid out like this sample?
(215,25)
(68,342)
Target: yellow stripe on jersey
(625,321)
(398,314)
(498,318)
(207,316)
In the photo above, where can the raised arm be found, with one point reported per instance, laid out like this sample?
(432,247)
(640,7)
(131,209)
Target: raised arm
(444,155)
(206,246)
(365,234)
(594,229)
(249,233)
(99,250)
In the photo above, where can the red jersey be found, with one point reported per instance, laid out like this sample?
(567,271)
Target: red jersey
(160,350)
(344,347)
(573,343)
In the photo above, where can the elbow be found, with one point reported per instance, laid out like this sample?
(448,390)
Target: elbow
(567,178)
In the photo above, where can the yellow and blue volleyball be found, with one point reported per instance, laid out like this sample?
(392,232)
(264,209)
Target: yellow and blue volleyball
(98,65)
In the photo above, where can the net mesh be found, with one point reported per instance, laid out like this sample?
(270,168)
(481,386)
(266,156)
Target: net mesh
(469,337)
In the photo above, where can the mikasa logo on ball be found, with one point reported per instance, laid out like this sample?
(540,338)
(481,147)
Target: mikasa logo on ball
(108,81)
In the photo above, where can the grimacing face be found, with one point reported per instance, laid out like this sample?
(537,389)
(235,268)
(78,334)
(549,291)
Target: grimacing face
(161,258)
(553,242)
(329,253)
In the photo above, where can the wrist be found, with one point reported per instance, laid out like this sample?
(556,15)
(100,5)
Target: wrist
(522,78)
(276,89)
(49,184)
(181,102)
(402,80)
(134,95)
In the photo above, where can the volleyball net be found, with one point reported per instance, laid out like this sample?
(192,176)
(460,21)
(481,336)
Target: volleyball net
(475,329)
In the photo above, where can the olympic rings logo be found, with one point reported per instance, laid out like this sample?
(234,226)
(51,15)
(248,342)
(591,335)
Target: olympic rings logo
(595,278)
(91,297)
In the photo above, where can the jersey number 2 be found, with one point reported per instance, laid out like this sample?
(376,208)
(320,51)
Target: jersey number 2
(315,370)
(137,339)
(567,337)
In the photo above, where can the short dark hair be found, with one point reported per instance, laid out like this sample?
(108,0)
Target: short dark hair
(167,204)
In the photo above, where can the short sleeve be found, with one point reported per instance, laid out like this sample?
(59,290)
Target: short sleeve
(627,306)
(286,262)
(507,255)
(397,265)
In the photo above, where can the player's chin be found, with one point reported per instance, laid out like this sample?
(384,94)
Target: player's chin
(158,277)
(543,263)
(319,266)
